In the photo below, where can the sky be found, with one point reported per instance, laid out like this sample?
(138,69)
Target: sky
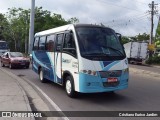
(128,17)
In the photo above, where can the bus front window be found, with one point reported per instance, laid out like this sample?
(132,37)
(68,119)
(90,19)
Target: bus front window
(99,41)
(3,45)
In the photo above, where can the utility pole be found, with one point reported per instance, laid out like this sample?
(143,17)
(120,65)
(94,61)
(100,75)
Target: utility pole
(26,33)
(153,11)
(31,31)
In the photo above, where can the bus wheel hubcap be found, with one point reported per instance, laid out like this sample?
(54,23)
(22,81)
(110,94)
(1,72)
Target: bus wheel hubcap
(68,86)
(41,75)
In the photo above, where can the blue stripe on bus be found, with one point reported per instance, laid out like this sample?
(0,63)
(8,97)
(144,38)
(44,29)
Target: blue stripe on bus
(52,72)
(41,58)
(106,65)
(110,65)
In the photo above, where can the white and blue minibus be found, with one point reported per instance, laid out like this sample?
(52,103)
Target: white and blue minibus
(83,58)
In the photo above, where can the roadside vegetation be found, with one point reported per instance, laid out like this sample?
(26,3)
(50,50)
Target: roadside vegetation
(14,25)
(153,60)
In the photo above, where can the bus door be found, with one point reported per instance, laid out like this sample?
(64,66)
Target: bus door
(58,58)
(50,47)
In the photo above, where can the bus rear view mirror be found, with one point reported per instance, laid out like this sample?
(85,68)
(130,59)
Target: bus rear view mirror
(119,36)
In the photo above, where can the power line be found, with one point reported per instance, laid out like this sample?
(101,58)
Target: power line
(140,2)
(106,2)
(113,23)
(129,18)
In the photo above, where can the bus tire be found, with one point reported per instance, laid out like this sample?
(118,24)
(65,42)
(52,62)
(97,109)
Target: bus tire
(69,87)
(41,76)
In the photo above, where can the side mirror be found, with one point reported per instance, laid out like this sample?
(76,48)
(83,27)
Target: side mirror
(119,36)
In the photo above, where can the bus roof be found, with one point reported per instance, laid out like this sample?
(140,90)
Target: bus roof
(2,41)
(65,27)
(54,30)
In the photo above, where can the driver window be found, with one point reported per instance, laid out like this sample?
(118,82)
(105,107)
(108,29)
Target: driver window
(69,41)
(69,44)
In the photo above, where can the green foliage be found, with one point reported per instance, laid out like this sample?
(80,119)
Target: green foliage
(139,37)
(157,37)
(73,20)
(142,37)
(3,23)
(153,60)
(15,25)
(125,39)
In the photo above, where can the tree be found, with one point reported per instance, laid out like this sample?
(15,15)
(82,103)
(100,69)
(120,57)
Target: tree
(139,37)
(157,37)
(45,20)
(125,39)
(142,37)
(3,23)
(16,25)
(16,28)
(73,20)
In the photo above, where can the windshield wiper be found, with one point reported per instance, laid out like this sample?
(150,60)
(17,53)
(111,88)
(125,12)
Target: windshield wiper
(113,49)
(96,54)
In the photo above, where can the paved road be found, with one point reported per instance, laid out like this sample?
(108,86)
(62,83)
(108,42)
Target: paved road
(148,68)
(142,95)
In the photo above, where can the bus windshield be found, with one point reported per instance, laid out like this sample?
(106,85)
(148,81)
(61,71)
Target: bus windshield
(99,41)
(3,45)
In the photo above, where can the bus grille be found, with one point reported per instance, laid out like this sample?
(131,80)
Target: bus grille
(114,73)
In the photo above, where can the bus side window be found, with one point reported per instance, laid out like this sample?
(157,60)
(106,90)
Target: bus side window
(35,46)
(42,43)
(59,40)
(50,43)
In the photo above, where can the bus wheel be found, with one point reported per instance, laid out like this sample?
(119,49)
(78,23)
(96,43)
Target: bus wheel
(69,87)
(41,76)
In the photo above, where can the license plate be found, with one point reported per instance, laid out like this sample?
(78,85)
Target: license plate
(22,63)
(112,79)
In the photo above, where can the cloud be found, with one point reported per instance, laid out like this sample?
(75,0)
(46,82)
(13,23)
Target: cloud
(126,17)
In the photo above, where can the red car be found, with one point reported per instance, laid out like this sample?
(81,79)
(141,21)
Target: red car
(14,59)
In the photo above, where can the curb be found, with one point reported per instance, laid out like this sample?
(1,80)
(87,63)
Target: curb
(22,90)
(29,92)
(148,73)
(32,97)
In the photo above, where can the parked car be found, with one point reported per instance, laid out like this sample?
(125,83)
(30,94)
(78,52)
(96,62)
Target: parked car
(14,59)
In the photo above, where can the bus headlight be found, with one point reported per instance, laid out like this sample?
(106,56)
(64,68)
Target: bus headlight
(90,72)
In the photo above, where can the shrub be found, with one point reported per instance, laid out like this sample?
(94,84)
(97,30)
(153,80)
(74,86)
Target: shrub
(153,60)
